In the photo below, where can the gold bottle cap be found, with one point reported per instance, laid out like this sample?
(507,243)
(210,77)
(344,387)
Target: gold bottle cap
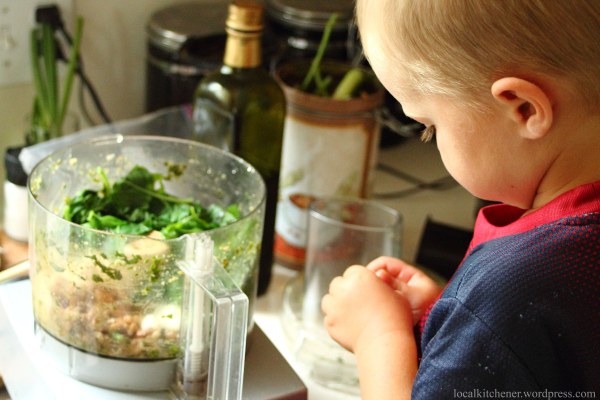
(245,16)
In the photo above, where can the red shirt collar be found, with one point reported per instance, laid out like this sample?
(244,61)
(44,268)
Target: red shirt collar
(500,220)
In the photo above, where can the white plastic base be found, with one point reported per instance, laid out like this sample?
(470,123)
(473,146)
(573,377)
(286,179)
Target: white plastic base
(106,372)
(16,218)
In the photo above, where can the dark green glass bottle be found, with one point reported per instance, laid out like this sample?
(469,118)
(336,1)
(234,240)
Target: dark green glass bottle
(241,108)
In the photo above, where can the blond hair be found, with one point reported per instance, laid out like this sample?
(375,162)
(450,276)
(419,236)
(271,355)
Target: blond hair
(459,47)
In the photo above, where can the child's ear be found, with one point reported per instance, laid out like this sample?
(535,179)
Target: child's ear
(527,104)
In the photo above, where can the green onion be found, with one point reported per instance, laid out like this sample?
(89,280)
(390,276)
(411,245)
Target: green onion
(316,62)
(50,104)
(345,89)
(73,61)
(351,80)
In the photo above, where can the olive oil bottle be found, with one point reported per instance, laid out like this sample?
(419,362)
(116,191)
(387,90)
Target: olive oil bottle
(241,108)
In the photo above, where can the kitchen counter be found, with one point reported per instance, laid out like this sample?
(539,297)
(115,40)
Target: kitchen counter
(13,251)
(449,204)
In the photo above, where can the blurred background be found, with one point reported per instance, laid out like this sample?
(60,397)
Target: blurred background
(113,49)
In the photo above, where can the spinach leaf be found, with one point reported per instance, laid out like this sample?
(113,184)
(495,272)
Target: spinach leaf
(138,205)
(130,193)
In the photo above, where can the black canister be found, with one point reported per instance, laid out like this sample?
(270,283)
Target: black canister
(185,42)
(294,29)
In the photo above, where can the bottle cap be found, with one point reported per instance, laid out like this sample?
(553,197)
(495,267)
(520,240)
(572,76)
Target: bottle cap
(245,16)
(14,170)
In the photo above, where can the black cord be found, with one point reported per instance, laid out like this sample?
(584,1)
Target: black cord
(443,183)
(399,174)
(60,54)
(83,106)
(86,83)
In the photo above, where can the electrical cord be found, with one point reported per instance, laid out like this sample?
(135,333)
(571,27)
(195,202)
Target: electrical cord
(83,106)
(443,183)
(86,84)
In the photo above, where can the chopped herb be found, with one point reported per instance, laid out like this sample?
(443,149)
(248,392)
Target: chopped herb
(111,272)
(118,337)
(153,353)
(134,259)
(174,170)
(155,269)
(173,350)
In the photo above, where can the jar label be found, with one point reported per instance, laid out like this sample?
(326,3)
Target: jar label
(331,158)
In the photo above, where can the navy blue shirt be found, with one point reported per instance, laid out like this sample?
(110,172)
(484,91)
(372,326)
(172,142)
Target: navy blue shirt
(522,313)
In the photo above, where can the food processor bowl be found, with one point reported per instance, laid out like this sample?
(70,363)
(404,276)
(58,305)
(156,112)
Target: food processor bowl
(115,302)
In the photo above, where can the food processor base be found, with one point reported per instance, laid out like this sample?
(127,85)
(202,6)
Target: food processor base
(103,371)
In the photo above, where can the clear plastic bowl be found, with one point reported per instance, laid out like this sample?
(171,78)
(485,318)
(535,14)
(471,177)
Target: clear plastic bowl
(116,295)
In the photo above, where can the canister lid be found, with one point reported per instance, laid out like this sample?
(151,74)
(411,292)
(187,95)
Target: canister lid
(310,14)
(170,28)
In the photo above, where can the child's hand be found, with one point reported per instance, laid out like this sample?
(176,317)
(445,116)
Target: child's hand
(419,289)
(360,308)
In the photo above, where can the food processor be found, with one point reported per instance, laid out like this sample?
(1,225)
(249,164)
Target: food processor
(144,313)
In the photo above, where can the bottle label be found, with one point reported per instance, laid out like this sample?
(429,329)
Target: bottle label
(320,157)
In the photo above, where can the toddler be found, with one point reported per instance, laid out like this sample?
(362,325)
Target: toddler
(511,91)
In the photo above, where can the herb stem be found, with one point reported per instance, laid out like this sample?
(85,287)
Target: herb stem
(163,197)
(316,62)
(351,80)
(49,56)
(104,180)
(41,99)
(50,103)
(73,61)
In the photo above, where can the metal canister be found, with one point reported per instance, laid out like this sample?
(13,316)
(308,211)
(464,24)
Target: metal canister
(294,29)
(185,42)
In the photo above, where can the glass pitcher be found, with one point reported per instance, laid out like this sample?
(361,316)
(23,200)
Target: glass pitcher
(137,312)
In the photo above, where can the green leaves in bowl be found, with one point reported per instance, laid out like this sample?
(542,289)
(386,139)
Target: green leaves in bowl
(138,204)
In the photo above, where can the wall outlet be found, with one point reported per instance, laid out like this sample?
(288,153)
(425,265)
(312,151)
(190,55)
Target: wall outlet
(17,18)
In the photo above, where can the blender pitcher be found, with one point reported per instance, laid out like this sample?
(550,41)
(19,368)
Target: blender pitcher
(144,313)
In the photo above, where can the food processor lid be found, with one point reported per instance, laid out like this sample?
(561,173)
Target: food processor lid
(310,14)
(170,28)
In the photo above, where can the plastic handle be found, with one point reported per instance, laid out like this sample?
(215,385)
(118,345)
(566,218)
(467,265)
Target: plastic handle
(214,328)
